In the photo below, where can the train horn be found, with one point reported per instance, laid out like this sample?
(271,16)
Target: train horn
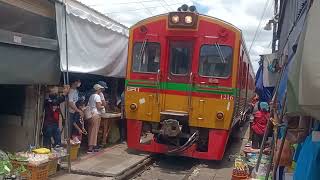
(185,8)
(192,9)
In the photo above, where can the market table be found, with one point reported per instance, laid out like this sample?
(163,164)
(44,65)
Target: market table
(107,122)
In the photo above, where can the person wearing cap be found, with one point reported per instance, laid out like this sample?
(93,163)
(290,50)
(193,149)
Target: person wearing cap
(96,108)
(105,86)
(259,124)
(73,99)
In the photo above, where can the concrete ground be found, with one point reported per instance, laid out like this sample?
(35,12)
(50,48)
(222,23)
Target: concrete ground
(110,162)
(79,177)
(116,160)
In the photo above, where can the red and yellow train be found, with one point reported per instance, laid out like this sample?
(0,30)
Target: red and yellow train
(188,80)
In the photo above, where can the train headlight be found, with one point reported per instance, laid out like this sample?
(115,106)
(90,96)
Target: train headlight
(175,19)
(188,19)
(220,115)
(133,107)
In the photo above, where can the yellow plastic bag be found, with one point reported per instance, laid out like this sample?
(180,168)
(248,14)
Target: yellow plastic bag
(41,151)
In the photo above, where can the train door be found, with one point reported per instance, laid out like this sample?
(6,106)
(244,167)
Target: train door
(178,76)
(213,91)
(143,85)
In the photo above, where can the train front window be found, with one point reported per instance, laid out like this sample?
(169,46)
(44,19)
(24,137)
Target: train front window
(180,57)
(146,58)
(215,61)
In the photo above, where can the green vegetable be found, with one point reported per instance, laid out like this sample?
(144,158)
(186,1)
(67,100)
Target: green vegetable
(5,167)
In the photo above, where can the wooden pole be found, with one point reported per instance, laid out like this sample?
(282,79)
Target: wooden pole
(274,137)
(284,103)
(275,167)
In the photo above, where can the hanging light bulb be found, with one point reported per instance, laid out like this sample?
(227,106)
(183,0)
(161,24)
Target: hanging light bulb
(268,27)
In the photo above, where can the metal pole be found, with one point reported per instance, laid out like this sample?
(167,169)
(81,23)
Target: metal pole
(37,134)
(66,79)
(275,25)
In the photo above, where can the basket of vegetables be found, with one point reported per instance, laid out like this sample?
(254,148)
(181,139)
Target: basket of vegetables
(7,170)
(240,170)
(36,165)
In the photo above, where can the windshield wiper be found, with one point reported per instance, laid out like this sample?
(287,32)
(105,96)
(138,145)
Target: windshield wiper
(141,52)
(223,60)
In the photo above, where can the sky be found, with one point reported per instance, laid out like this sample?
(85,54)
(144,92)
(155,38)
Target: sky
(245,14)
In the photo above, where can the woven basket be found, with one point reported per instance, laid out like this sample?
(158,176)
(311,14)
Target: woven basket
(39,172)
(53,164)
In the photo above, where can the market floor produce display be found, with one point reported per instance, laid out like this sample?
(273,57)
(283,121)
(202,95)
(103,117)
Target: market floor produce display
(119,162)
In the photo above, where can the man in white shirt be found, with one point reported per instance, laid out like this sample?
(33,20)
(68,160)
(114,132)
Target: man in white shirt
(73,97)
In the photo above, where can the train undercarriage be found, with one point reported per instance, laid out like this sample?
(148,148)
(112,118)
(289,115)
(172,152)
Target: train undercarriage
(173,136)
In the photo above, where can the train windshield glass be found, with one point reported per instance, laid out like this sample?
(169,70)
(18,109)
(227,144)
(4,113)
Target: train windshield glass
(180,57)
(215,61)
(146,57)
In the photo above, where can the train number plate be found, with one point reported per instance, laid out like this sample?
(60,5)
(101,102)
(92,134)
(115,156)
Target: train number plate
(226,97)
(132,89)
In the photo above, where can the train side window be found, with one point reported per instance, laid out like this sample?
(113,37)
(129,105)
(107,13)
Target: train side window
(215,61)
(147,59)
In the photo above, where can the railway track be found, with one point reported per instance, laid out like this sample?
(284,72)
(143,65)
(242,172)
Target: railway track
(164,167)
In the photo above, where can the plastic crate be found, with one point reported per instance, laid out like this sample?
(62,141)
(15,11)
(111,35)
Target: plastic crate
(39,172)
(53,164)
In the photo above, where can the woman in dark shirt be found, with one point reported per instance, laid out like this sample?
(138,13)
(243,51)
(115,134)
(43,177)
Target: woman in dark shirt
(51,117)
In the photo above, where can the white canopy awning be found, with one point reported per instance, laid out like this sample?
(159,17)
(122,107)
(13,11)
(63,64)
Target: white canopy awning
(304,72)
(90,42)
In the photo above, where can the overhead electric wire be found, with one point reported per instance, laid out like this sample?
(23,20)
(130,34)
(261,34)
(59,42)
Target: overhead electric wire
(125,3)
(166,6)
(165,2)
(147,9)
(268,8)
(139,9)
(256,32)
